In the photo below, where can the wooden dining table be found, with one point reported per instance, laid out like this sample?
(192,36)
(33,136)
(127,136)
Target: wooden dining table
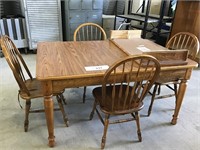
(64,64)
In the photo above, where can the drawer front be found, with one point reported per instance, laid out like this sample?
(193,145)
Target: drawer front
(95,17)
(86,4)
(74,4)
(77,17)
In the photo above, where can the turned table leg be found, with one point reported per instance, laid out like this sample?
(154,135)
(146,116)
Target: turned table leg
(181,93)
(49,105)
(49,111)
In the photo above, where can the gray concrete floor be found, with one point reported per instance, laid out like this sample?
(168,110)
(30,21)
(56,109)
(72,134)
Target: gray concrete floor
(82,134)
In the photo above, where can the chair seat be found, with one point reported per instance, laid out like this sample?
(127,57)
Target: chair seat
(118,110)
(35,89)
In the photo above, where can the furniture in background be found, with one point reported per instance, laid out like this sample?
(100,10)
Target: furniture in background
(76,12)
(15,28)
(29,87)
(10,8)
(68,61)
(12,23)
(125,34)
(147,22)
(181,40)
(124,94)
(110,9)
(89,32)
(187,19)
(108,23)
(43,21)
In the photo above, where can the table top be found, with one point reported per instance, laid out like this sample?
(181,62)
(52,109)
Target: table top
(70,58)
(137,46)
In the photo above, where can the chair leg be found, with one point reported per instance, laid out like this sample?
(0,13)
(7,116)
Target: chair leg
(27,110)
(58,97)
(159,89)
(93,109)
(153,98)
(137,119)
(175,91)
(63,99)
(106,123)
(84,94)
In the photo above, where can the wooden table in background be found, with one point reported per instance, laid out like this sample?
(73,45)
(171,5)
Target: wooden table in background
(61,65)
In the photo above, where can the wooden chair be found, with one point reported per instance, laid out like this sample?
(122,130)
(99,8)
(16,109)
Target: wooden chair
(121,91)
(181,40)
(29,87)
(89,32)
(125,34)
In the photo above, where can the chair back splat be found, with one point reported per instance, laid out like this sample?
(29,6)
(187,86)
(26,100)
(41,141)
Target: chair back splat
(89,32)
(16,63)
(126,89)
(184,40)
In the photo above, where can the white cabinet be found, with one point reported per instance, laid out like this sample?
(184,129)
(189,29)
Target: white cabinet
(43,20)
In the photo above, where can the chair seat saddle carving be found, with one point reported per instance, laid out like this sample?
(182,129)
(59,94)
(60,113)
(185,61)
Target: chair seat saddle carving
(122,93)
(29,88)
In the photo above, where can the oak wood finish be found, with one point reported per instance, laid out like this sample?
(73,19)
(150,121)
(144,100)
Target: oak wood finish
(170,58)
(61,65)
(187,19)
(184,40)
(181,40)
(137,46)
(123,94)
(68,71)
(29,87)
(125,34)
(89,32)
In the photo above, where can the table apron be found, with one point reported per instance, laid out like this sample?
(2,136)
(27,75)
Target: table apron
(174,75)
(78,82)
(165,76)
